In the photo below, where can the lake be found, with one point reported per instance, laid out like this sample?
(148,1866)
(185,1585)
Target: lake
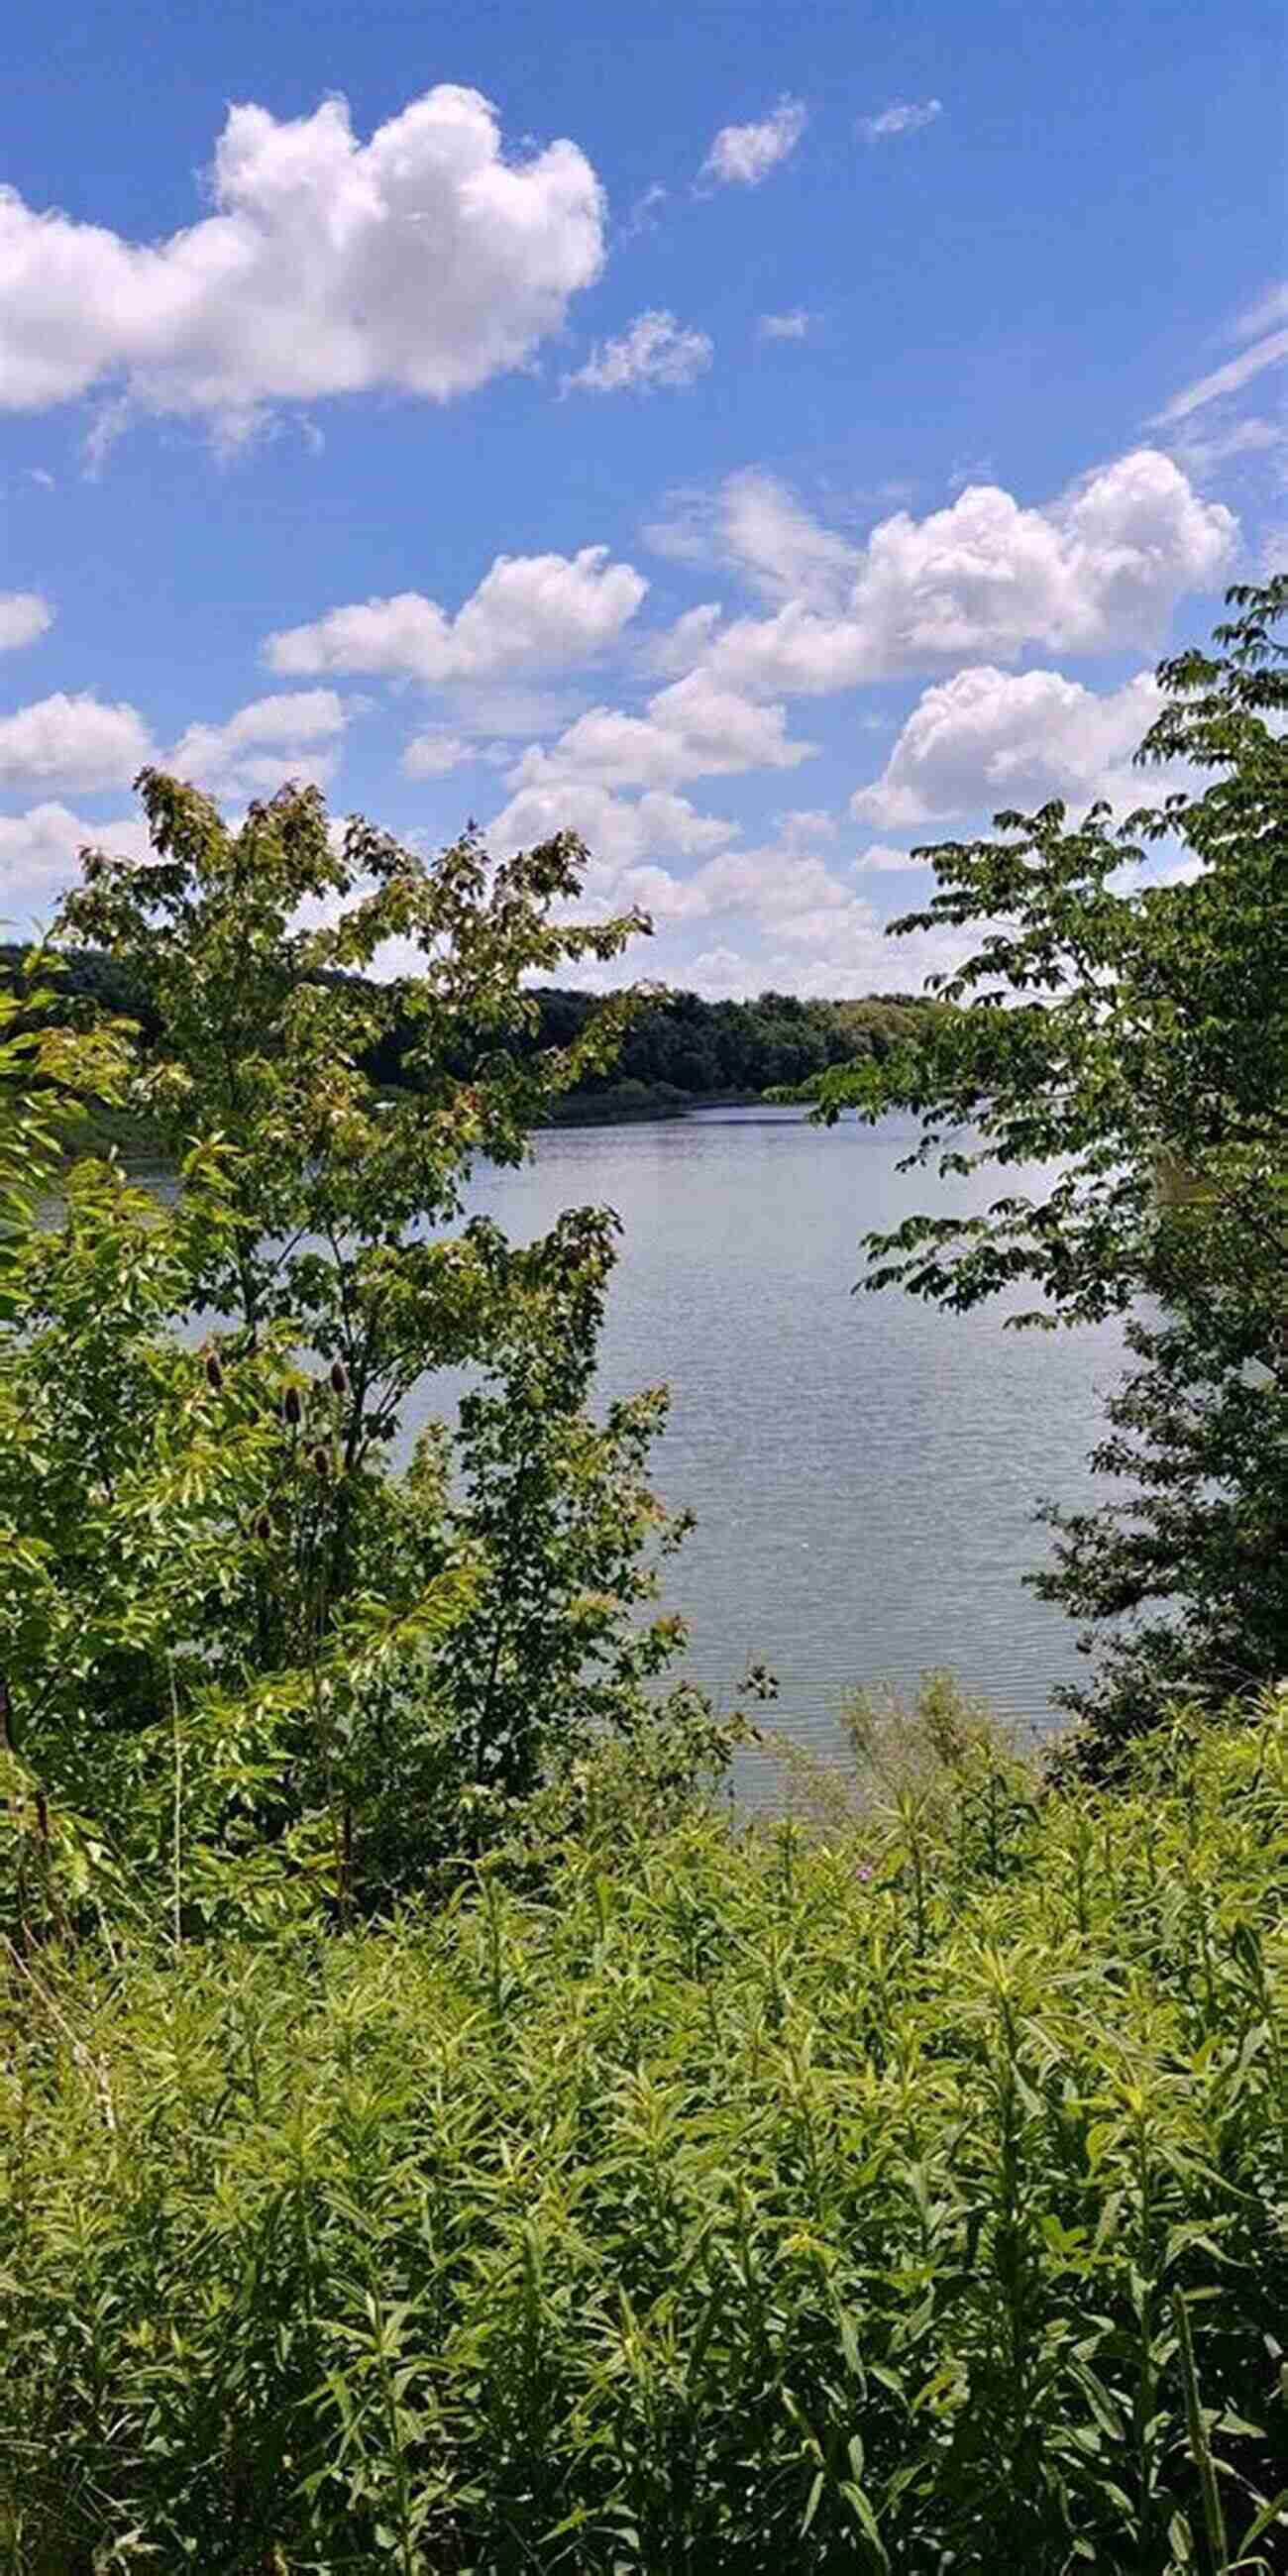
(864,1469)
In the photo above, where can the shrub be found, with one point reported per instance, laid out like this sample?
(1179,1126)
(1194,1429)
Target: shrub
(903,2201)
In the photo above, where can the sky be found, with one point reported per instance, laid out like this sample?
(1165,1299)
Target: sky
(764,440)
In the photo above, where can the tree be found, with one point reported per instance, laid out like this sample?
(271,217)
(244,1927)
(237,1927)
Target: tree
(228,1629)
(1134,1038)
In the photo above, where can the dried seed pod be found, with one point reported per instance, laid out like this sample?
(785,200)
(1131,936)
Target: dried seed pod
(292,1409)
(214,1371)
(339,1380)
(322,1463)
(264,1528)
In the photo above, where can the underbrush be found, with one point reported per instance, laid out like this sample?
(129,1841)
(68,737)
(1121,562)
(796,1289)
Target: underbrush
(911,2198)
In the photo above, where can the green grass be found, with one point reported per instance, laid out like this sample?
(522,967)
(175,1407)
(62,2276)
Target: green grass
(910,2196)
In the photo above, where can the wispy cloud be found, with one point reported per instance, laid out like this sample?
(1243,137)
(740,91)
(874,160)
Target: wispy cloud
(905,116)
(1229,379)
(656,350)
(646,213)
(1209,444)
(1262,315)
(785,326)
(742,155)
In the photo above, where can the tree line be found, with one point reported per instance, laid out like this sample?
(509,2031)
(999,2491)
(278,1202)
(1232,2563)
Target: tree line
(676,1048)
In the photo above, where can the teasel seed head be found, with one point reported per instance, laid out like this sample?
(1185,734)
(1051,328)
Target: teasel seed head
(292,1409)
(322,1463)
(214,1371)
(339,1379)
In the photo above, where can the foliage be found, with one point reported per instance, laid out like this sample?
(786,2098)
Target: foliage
(942,1752)
(905,2201)
(243,1661)
(675,1048)
(1134,1039)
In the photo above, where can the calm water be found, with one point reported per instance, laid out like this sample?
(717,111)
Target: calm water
(864,1470)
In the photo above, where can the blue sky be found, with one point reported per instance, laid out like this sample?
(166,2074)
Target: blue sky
(761,439)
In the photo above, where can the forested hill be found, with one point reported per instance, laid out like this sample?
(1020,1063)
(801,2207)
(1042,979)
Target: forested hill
(679,1049)
(682,1048)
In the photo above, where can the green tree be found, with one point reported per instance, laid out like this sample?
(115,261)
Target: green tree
(1134,1039)
(228,1630)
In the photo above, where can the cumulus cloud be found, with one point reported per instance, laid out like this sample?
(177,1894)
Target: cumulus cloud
(987,738)
(692,729)
(423,260)
(905,116)
(675,649)
(620,832)
(39,850)
(291,736)
(785,326)
(63,742)
(656,351)
(742,155)
(529,612)
(1099,568)
(880,860)
(434,754)
(777,883)
(24,616)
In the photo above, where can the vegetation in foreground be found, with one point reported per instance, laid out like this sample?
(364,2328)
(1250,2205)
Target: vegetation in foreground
(910,2200)
(427,2138)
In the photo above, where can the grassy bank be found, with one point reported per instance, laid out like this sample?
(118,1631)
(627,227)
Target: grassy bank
(714,2204)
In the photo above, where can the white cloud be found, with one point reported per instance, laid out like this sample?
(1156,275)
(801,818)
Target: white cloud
(423,260)
(1263,314)
(645,214)
(529,612)
(1210,443)
(1099,568)
(620,832)
(65,742)
(906,116)
(1273,559)
(291,736)
(776,883)
(692,729)
(789,555)
(676,649)
(881,861)
(988,738)
(24,615)
(785,326)
(433,754)
(38,855)
(804,823)
(656,350)
(721,973)
(743,155)
(1229,379)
